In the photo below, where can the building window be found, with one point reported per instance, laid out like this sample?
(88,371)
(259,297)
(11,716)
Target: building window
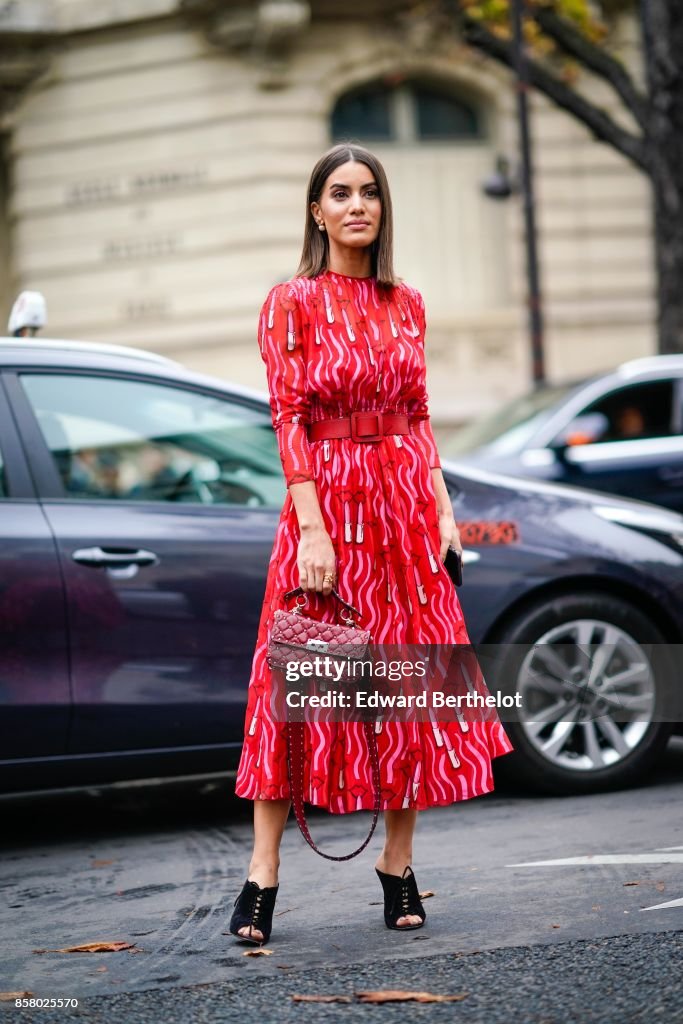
(409,112)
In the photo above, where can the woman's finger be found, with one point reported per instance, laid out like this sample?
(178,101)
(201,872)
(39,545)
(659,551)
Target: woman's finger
(304,575)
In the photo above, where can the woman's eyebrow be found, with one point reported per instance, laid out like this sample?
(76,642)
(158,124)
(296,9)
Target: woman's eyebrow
(368,184)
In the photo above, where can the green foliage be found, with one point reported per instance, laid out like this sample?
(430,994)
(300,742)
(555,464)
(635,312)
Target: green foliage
(591,17)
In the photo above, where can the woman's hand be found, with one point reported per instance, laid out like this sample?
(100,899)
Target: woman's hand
(448,533)
(315,558)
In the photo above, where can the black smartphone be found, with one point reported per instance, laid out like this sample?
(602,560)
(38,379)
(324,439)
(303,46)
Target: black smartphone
(453,563)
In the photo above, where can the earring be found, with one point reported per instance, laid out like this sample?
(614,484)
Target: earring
(321,226)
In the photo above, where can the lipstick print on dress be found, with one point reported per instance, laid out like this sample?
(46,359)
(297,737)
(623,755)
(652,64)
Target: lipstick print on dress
(328,306)
(254,720)
(359,523)
(424,532)
(455,760)
(349,328)
(419,586)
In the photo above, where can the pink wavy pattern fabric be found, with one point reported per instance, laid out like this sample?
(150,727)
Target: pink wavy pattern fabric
(333,344)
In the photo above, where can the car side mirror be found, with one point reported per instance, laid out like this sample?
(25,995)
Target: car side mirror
(588,428)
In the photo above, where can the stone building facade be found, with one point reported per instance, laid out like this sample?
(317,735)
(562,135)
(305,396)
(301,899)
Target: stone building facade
(155,155)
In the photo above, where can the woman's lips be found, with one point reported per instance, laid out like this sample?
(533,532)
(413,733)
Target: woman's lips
(358,225)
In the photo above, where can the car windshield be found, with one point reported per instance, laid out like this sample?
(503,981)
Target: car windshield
(507,428)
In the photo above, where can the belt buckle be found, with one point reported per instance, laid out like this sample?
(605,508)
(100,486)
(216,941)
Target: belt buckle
(376,436)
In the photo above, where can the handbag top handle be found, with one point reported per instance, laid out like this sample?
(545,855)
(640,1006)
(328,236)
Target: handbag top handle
(299,591)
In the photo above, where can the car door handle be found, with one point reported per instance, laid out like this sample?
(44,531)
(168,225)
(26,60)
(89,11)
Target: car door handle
(101,556)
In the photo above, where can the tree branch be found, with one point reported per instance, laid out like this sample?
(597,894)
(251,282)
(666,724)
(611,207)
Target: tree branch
(600,124)
(596,60)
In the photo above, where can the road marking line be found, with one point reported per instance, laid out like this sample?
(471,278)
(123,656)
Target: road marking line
(664,906)
(606,858)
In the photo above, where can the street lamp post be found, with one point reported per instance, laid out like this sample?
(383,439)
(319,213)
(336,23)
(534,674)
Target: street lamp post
(536,327)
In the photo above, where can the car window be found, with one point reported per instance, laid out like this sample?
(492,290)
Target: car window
(131,440)
(636,412)
(508,427)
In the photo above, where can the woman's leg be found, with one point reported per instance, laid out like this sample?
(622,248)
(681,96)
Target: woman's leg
(270,818)
(399,827)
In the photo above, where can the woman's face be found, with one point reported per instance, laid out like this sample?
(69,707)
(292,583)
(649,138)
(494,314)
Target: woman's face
(350,206)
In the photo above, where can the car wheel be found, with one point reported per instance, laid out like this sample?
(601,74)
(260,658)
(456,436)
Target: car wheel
(595,683)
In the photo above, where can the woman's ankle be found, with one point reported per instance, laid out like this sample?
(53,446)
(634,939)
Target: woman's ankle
(394,862)
(264,871)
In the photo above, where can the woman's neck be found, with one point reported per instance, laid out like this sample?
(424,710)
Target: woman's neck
(350,262)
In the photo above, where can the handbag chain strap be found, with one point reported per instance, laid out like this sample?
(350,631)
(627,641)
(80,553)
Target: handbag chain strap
(295,767)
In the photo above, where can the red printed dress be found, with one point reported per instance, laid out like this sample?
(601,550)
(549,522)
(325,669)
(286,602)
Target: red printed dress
(333,344)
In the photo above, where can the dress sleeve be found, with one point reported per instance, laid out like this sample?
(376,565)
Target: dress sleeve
(418,409)
(281,342)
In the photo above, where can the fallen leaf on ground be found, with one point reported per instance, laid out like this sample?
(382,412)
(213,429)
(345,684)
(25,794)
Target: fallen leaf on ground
(555,925)
(92,947)
(258,952)
(100,863)
(399,996)
(321,999)
(287,911)
(631,883)
(425,895)
(5,997)
(659,886)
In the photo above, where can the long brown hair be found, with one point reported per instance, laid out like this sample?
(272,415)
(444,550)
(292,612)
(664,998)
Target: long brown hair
(315,252)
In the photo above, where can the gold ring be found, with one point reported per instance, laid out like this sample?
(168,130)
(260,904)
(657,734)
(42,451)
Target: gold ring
(329,577)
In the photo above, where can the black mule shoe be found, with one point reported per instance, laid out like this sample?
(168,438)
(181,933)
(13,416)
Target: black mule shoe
(254,907)
(401,898)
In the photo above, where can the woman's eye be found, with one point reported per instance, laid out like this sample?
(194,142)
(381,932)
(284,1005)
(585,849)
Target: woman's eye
(370,194)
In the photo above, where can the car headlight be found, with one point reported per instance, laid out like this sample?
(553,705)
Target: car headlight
(663,525)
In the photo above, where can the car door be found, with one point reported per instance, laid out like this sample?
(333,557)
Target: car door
(164,501)
(35,697)
(640,455)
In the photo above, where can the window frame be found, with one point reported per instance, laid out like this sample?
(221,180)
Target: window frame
(403,114)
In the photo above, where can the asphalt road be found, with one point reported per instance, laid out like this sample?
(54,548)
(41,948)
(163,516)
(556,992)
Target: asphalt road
(594,933)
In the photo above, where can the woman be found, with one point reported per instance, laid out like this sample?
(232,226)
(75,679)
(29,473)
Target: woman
(370,518)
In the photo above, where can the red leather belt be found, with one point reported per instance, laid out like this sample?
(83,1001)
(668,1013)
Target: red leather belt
(360,426)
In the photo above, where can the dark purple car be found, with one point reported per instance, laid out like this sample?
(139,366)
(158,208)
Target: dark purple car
(138,506)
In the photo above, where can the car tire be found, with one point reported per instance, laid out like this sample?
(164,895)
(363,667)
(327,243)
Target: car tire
(527,764)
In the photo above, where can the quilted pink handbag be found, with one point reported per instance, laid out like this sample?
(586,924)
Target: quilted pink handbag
(297,637)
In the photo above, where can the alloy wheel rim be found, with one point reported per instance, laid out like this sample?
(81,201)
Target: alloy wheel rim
(588,693)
